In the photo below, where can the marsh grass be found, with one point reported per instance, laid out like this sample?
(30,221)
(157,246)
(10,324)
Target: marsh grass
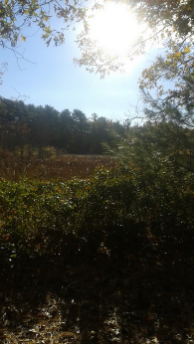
(63,167)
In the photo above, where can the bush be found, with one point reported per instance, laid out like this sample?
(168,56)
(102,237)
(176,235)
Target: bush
(83,215)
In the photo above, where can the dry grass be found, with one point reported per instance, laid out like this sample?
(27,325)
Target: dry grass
(61,168)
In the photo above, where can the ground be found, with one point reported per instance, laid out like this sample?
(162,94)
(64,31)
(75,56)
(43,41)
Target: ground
(141,295)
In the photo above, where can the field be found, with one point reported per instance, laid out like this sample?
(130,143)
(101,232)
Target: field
(61,168)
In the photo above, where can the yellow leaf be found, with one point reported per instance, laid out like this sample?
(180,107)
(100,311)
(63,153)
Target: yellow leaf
(187,49)
(23,38)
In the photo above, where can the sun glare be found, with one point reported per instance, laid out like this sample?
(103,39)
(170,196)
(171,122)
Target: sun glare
(114,28)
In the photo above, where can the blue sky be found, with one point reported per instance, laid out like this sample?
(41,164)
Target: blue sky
(49,77)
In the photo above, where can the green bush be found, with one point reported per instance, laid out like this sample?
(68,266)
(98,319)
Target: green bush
(83,215)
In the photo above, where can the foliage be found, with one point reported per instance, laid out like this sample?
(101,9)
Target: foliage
(92,246)
(141,291)
(17,15)
(39,217)
(29,128)
(159,156)
(171,23)
(177,66)
(30,209)
(132,224)
(171,26)
(172,14)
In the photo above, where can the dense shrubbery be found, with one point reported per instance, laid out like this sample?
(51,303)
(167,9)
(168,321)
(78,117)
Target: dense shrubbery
(33,213)
(95,214)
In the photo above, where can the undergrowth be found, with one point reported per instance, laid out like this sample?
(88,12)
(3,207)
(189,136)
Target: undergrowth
(102,259)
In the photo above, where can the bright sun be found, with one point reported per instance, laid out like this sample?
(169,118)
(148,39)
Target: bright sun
(114,29)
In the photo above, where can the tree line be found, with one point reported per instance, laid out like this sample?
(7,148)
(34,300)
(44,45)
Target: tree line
(36,127)
(26,129)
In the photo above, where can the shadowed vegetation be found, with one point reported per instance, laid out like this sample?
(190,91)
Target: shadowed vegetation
(99,259)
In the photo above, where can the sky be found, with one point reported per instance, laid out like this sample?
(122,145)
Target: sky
(48,76)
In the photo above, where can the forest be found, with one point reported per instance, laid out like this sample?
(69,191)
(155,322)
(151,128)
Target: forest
(96,216)
(39,127)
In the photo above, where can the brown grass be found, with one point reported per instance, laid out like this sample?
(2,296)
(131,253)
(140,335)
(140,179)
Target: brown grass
(61,168)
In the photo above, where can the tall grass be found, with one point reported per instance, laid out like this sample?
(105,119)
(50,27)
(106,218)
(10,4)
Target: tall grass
(64,167)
